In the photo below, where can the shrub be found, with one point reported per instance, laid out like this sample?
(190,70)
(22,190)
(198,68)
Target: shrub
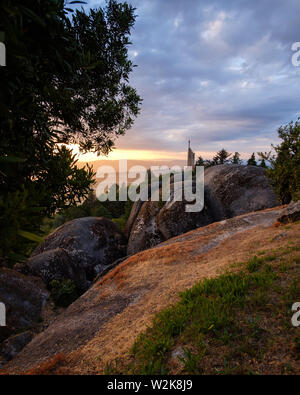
(285,163)
(63,292)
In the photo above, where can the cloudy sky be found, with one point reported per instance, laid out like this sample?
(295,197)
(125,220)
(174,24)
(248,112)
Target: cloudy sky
(216,72)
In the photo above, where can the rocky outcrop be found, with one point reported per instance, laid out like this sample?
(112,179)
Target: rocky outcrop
(291,213)
(14,344)
(173,220)
(24,298)
(137,205)
(102,324)
(158,221)
(78,250)
(144,231)
(233,190)
(230,190)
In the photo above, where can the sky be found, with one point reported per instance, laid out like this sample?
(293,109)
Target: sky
(216,72)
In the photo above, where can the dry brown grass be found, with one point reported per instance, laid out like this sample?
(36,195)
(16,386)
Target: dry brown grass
(49,367)
(182,268)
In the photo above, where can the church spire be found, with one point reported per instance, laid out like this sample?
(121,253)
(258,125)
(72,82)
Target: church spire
(190,156)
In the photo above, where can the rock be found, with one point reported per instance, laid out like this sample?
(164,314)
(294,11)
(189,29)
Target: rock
(144,232)
(14,344)
(137,205)
(107,318)
(233,190)
(24,298)
(291,213)
(230,190)
(132,217)
(159,221)
(172,220)
(78,250)
(110,267)
(58,264)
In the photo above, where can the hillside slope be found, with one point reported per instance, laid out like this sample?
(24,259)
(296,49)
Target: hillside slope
(102,325)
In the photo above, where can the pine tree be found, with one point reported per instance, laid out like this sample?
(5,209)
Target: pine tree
(221,157)
(200,161)
(263,164)
(252,160)
(236,159)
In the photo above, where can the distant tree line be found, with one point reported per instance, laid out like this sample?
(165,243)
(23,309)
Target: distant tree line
(282,163)
(118,211)
(222,157)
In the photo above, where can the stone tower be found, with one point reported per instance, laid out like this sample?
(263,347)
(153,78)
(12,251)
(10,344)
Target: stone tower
(190,156)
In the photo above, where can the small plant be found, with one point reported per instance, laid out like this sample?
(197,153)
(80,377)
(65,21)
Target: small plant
(192,361)
(297,345)
(253,264)
(111,368)
(63,292)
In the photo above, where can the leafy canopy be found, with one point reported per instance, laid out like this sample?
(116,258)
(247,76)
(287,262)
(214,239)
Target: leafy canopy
(284,172)
(66,81)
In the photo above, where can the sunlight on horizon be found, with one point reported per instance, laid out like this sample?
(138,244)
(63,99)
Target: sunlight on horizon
(118,154)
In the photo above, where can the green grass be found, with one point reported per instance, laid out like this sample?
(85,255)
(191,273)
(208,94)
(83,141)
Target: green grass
(206,309)
(223,313)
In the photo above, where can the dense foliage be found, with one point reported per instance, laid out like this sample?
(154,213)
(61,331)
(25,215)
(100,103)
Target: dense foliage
(117,211)
(66,81)
(284,171)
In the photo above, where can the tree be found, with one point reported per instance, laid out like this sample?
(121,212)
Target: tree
(22,210)
(203,162)
(284,171)
(263,163)
(68,86)
(200,161)
(236,159)
(221,157)
(252,161)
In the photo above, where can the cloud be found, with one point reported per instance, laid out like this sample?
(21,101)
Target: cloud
(216,72)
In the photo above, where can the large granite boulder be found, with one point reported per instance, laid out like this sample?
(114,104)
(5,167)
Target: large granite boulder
(233,190)
(137,205)
(291,213)
(158,221)
(173,219)
(14,344)
(78,250)
(144,232)
(229,191)
(24,298)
